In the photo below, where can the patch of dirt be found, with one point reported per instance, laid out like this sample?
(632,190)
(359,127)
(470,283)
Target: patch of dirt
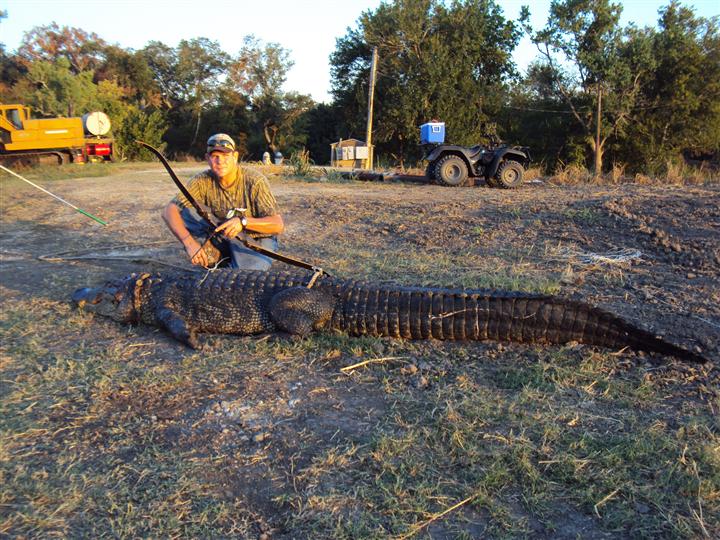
(47,249)
(258,425)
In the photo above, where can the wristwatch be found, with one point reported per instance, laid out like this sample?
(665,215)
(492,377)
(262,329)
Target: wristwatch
(238,212)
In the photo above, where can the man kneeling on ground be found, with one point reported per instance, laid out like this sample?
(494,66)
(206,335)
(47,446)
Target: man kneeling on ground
(238,197)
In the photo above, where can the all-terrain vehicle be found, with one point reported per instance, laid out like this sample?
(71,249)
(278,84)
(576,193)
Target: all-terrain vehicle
(450,165)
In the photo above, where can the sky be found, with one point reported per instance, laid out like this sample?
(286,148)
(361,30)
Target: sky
(307,28)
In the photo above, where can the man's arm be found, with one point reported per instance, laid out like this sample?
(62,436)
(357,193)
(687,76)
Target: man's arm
(264,225)
(173,219)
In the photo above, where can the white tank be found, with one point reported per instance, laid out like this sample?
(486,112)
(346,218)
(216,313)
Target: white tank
(96,123)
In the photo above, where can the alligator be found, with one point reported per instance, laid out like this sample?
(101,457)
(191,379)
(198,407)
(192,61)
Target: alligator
(253,302)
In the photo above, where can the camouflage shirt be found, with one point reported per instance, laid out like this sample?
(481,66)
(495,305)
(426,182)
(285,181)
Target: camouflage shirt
(250,191)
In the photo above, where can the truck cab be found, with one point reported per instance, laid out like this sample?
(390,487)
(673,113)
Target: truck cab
(14,115)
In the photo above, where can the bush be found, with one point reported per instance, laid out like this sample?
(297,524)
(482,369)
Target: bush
(301,163)
(139,125)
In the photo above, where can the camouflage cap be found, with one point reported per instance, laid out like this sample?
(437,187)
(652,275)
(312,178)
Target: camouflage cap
(220,142)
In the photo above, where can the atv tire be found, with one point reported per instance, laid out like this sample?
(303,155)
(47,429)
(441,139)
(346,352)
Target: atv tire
(509,175)
(430,172)
(451,171)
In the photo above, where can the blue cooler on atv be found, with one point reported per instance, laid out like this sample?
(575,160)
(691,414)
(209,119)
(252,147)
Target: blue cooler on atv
(432,133)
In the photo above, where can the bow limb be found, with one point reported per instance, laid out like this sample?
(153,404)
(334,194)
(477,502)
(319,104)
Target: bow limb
(202,212)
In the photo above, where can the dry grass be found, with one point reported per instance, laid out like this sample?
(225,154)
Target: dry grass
(115,436)
(682,174)
(616,175)
(571,174)
(115,431)
(534,172)
(675,174)
(516,441)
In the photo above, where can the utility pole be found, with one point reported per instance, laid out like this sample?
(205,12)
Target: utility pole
(371,95)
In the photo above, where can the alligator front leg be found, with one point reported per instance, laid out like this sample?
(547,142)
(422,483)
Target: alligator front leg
(299,310)
(178,327)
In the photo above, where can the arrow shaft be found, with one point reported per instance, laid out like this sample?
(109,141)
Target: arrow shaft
(53,195)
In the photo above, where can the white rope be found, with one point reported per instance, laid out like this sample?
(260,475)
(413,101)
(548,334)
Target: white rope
(617,256)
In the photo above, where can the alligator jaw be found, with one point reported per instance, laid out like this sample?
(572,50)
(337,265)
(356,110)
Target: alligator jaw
(86,295)
(111,300)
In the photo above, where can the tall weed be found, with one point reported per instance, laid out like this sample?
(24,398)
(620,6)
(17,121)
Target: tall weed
(301,164)
(571,173)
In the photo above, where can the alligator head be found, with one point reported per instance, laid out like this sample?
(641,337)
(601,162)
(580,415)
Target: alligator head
(116,299)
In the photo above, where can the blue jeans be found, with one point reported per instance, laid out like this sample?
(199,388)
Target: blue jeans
(241,257)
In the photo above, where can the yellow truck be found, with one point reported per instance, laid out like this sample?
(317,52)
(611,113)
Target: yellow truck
(56,140)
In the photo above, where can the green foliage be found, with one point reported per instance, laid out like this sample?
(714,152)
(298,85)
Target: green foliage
(323,128)
(449,62)
(681,112)
(301,163)
(594,64)
(659,87)
(12,72)
(131,72)
(280,120)
(259,70)
(50,43)
(58,91)
(537,116)
(143,126)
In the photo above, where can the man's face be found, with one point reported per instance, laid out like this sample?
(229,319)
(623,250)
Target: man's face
(223,163)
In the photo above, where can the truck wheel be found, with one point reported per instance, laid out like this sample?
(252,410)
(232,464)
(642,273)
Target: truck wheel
(451,171)
(509,175)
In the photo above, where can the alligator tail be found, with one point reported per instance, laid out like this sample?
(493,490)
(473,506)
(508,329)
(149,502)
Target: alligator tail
(421,313)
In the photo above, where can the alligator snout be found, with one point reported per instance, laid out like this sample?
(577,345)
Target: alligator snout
(84,296)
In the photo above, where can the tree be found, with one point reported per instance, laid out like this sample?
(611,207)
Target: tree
(51,42)
(189,77)
(139,125)
(130,70)
(54,90)
(323,128)
(11,71)
(200,62)
(282,121)
(162,61)
(681,108)
(595,66)
(450,62)
(259,70)
(539,117)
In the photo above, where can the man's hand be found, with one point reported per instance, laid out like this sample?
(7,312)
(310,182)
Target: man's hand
(231,228)
(197,255)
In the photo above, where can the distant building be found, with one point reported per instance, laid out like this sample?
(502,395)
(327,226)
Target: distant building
(351,153)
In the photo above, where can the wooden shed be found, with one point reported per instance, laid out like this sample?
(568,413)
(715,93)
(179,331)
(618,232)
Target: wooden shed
(351,153)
